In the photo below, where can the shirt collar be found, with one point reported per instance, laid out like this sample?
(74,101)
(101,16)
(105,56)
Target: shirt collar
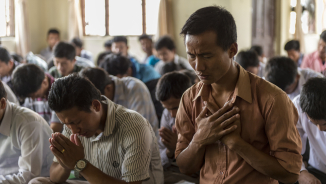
(118,89)
(110,117)
(6,121)
(242,88)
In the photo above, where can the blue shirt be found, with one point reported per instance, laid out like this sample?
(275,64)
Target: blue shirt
(143,72)
(152,60)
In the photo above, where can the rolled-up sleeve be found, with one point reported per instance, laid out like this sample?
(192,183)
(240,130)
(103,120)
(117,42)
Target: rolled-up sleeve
(285,143)
(184,124)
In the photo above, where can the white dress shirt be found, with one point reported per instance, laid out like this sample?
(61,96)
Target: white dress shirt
(305,74)
(317,139)
(24,145)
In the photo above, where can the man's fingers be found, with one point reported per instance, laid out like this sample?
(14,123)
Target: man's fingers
(164,136)
(56,145)
(203,113)
(228,130)
(77,140)
(72,138)
(230,121)
(58,139)
(224,110)
(211,107)
(226,115)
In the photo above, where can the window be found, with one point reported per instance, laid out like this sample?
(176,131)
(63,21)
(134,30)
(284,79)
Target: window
(7,18)
(120,17)
(308,16)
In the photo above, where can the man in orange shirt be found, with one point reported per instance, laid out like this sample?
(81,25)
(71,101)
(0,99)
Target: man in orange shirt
(232,126)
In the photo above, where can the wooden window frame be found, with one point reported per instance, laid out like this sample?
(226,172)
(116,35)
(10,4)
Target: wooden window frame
(11,23)
(107,22)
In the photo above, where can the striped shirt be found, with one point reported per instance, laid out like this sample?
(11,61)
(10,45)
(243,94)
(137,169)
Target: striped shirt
(133,94)
(127,149)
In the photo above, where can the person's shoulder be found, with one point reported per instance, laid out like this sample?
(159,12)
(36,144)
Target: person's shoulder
(193,91)
(44,50)
(25,115)
(310,55)
(132,83)
(128,119)
(308,73)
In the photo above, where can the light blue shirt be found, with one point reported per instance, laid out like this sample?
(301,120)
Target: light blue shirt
(133,94)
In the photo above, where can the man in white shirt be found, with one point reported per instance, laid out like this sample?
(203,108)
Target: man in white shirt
(127,91)
(102,142)
(24,145)
(284,73)
(165,48)
(311,106)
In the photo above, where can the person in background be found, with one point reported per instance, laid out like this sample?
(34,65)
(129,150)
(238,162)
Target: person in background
(233,126)
(127,91)
(31,83)
(249,61)
(7,66)
(108,46)
(311,106)
(292,48)
(316,60)
(24,144)
(102,142)
(192,76)
(101,56)
(147,46)
(64,61)
(285,74)
(261,56)
(80,51)
(165,48)
(169,91)
(120,66)
(53,37)
(17,57)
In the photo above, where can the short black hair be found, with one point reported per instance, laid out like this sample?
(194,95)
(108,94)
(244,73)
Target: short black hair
(108,43)
(323,36)
(281,71)
(213,18)
(247,59)
(172,84)
(99,77)
(27,79)
(4,55)
(313,99)
(72,91)
(116,64)
(64,50)
(144,36)
(191,74)
(101,57)
(292,45)
(258,49)
(169,67)
(120,39)
(17,57)
(3,93)
(77,42)
(53,31)
(165,42)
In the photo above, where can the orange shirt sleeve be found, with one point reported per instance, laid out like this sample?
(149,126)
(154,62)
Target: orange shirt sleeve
(184,124)
(285,143)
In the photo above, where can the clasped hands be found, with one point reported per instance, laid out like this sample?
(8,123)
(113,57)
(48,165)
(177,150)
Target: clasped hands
(213,125)
(67,152)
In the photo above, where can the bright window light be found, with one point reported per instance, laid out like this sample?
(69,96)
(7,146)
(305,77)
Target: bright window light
(95,17)
(4,18)
(152,7)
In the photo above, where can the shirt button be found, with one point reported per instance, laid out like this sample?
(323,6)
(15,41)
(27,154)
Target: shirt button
(221,172)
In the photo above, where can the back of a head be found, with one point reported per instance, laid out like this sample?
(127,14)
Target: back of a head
(77,42)
(213,18)
(99,77)
(169,67)
(313,98)
(191,74)
(64,50)
(4,55)
(101,57)
(53,31)
(144,36)
(116,64)
(72,91)
(165,42)
(27,79)
(172,84)
(247,59)
(281,71)
(323,36)
(108,43)
(3,93)
(292,45)
(258,49)
(17,57)
(120,39)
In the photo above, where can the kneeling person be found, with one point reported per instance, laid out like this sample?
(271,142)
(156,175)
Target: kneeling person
(101,141)
(24,152)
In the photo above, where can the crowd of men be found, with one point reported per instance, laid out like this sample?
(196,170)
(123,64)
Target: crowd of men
(219,116)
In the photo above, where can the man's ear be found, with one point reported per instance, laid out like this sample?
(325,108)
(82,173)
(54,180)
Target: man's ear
(11,63)
(3,103)
(233,50)
(96,105)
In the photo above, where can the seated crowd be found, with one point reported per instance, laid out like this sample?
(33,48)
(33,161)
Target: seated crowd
(219,116)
